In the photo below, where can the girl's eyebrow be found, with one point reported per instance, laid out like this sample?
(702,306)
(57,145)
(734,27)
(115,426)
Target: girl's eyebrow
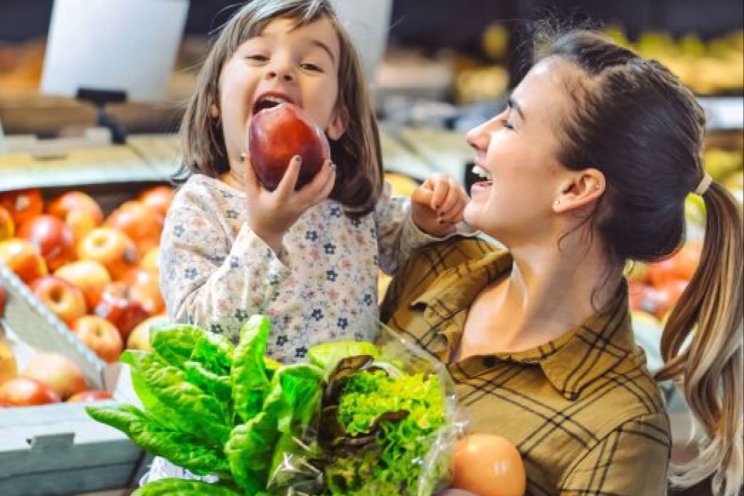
(512,103)
(324,47)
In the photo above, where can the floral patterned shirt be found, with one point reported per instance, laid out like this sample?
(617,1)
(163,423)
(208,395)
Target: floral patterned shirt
(216,272)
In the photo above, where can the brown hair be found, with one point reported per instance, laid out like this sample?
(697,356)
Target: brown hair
(643,129)
(356,154)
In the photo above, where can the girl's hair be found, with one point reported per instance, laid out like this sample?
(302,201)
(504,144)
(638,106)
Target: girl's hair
(356,154)
(643,129)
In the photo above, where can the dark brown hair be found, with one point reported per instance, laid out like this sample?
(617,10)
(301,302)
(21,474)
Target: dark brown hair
(643,129)
(356,154)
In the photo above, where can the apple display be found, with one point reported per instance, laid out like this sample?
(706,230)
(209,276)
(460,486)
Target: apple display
(7,226)
(111,248)
(139,338)
(144,288)
(8,364)
(24,391)
(53,238)
(99,335)
(23,258)
(89,396)
(118,307)
(88,275)
(151,260)
(64,300)
(279,132)
(72,201)
(158,198)
(141,223)
(23,205)
(56,371)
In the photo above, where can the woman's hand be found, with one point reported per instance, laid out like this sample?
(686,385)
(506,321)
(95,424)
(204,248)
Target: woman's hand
(437,205)
(272,213)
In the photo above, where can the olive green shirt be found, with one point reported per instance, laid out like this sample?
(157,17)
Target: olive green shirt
(583,410)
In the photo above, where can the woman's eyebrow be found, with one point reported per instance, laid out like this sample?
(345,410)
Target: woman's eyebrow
(512,103)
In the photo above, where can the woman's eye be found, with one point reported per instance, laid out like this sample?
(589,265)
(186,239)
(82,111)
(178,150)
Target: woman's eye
(507,124)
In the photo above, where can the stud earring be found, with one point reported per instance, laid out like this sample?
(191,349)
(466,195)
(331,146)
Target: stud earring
(557,202)
(243,156)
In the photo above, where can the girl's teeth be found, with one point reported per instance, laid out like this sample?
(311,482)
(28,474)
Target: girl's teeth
(481,172)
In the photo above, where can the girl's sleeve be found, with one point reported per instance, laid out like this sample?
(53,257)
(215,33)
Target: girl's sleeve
(630,460)
(207,278)
(397,235)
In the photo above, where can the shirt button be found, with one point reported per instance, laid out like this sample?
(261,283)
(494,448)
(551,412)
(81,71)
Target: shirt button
(489,361)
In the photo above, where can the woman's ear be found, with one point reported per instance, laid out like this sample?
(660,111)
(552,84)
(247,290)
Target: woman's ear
(337,125)
(579,189)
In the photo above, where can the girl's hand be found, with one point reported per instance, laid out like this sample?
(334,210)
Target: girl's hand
(437,205)
(271,213)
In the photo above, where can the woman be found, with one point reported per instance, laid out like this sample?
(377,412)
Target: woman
(588,167)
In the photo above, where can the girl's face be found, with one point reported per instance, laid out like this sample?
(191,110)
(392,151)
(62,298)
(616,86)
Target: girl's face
(285,62)
(517,149)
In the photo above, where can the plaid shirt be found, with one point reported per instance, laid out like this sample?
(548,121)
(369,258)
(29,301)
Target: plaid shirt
(583,410)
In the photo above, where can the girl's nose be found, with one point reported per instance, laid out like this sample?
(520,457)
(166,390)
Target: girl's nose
(280,70)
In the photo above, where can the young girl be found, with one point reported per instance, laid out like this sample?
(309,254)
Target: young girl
(308,258)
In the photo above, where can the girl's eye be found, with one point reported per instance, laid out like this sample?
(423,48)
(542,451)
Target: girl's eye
(311,67)
(258,57)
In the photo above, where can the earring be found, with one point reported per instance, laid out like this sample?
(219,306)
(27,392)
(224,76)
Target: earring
(243,156)
(557,202)
(596,186)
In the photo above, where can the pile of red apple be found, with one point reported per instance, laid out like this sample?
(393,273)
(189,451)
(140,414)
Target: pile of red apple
(98,274)
(655,287)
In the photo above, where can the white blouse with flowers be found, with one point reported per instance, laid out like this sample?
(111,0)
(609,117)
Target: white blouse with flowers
(216,272)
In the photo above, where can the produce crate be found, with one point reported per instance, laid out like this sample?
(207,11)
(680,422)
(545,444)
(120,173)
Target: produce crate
(57,449)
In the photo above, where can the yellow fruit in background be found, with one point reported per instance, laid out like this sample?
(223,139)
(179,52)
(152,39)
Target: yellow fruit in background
(692,45)
(695,209)
(719,163)
(401,185)
(495,41)
(8,365)
(734,180)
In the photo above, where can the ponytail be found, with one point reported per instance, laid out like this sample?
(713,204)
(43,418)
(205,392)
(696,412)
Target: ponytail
(709,317)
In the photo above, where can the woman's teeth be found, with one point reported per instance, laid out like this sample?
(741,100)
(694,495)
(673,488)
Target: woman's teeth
(481,172)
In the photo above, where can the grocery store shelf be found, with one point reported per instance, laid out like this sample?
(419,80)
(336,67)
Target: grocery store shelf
(724,113)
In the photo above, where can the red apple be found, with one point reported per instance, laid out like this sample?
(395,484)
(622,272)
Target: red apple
(72,201)
(680,266)
(151,260)
(88,275)
(276,135)
(23,258)
(118,307)
(144,288)
(53,238)
(157,198)
(139,338)
(99,335)
(141,223)
(23,391)
(56,371)
(8,364)
(81,223)
(2,302)
(112,248)
(7,226)
(23,205)
(65,300)
(89,396)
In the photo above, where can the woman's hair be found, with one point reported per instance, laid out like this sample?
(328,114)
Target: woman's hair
(356,154)
(634,121)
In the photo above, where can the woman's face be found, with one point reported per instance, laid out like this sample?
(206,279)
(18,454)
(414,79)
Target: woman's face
(517,149)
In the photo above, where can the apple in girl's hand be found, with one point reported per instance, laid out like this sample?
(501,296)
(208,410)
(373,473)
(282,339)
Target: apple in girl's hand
(118,307)
(89,395)
(53,238)
(277,134)
(88,275)
(111,248)
(62,298)
(23,391)
(23,258)
(56,371)
(99,335)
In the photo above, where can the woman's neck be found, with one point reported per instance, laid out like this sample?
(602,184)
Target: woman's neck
(547,293)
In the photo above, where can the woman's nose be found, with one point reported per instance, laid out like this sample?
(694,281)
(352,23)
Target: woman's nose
(477,138)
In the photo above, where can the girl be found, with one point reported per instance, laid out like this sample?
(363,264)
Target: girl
(309,258)
(587,167)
